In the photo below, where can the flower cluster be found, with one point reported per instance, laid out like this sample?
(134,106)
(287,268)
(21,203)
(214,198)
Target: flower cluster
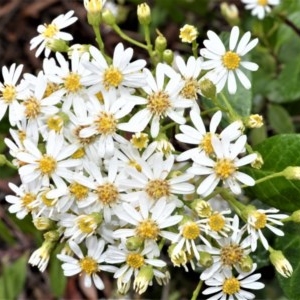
(114,154)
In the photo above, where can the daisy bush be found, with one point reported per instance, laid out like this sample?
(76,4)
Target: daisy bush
(141,160)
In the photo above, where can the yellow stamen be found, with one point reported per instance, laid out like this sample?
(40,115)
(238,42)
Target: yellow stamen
(191,231)
(147,229)
(231,60)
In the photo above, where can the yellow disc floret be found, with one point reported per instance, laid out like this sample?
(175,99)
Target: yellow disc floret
(147,229)
(8,93)
(159,103)
(190,230)
(231,60)
(47,164)
(112,77)
(224,168)
(88,265)
(135,260)
(158,188)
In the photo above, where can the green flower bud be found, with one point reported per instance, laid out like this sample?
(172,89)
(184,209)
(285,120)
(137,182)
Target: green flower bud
(144,14)
(292,173)
(160,43)
(108,17)
(168,56)
(43,223)
(258,162)
(206,259)
(2,160)
(134,243)
(51,236)
(207,88)
(56,45)
(246,264)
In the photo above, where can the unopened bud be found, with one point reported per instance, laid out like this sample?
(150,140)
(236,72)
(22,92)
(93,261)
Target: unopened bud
(134,243)
(281,264)
(258,162)
(206,259)
(291,173)
(108,17)
(202,208)
(254,121)
(246,264)
(160,43)
(295,216)
(143,279)
(51,236)
(207,88)
(43,223)
(93,8)
(168,56)
(230,13)
(57,45)
(144,14)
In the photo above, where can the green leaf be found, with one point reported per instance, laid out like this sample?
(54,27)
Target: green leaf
(13,278)
(5,234)
(57,279)
(278,152)
(289,244)
(279,119)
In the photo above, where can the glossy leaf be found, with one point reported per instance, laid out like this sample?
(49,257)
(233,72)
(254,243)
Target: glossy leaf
(278,153)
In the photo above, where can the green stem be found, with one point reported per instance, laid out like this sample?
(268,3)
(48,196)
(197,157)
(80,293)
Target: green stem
(148,42)
(216,102)
(127,38)
(268,177)
(98,38)
(231,112)
(238,206)
(11,165)
(197,290)
(195,48)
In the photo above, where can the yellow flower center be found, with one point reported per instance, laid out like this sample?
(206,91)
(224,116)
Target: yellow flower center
(50,89)
(260,220)
(106,123)
(159,103)
(231,286)
(135,260)
(86,224)
(203,209)
(88,265)
(224,168)
(72,82)
(188,33)
(47,164)
(8,93)
(262,2)
(27,199)
(79,153)
(231,60)
(32,108)
(216,222)
(190,231)
(79,191)
(135,165)
(189,91)
(158,188)
(147,229)
(139,140)
(83,141)
(206,144)
(55,123)
(231,254)
(48,201)
(112,77)
(50,31)
(107,193)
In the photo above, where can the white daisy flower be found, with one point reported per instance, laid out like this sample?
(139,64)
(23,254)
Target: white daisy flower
(122,75)
(149,224)
(52,31)
(103,121)
(190,72)
(88,265)
(54,164)
(21,203)
(162,101)
(258,219)
(9,93)
(197,135)
(229,252)
(131,263)
(224,167)
(229,287)
(224,64)
(260,8)
(69,78)
(151,180)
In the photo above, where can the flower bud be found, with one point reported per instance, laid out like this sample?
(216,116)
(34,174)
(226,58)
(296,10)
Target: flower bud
(207,88)
(108,17)
(57,45)
(254,121)
(144,14)
(178,259)
(168,56)
(281,264)
(134,243)
(93,8)
(143,279)
(160,43)
(52,236)
(291,173)
(43,223)
(246,264)
(230,13)
(163,145)
(188,33)
(295,216)
(202,208)
(258,162)
(206,259)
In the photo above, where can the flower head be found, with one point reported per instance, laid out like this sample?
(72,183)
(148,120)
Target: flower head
(225,64)
(260,8)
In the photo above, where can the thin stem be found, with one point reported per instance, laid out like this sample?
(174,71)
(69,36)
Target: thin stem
(268,177)
(148,42)
(127,38)
(195,48)
(289,23)
(231,112)
(197,290)
(98,38)
(238,206)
